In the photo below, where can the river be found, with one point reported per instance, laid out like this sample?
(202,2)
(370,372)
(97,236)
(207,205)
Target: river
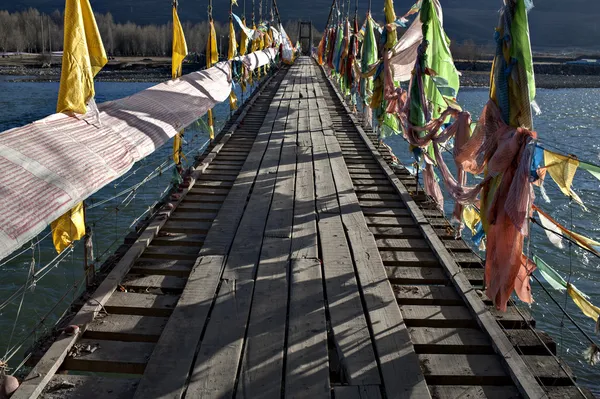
(570,121)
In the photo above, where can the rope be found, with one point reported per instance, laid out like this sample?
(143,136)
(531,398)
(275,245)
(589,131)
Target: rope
(25,250)
(31,272)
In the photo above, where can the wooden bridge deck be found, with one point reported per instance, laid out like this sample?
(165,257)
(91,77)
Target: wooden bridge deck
(298,265)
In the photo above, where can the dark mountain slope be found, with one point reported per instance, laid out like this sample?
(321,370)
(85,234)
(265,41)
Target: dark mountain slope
(554,23)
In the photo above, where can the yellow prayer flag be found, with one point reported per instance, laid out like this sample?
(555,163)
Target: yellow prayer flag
(211,127)
(390,17)
(255,42)
(212,53)
(562,170)
(179,53)
(212,57)
(231,53)
(83,57)
(68,228)
(243,39)
(471,218)
(180,50)
(582,303)
(177,148)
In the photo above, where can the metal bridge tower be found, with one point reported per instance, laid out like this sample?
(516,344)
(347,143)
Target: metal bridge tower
(305,36)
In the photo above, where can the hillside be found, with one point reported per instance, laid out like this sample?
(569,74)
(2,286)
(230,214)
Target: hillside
(554,24)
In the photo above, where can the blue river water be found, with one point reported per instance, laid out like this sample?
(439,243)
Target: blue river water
(570,122)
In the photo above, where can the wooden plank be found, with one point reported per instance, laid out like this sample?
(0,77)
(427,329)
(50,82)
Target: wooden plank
(394,212)
(548,370)
(167,369)
(399,364)
(346,392)
(357,392)
(89,387)
(348,322)
(387,204)
(468,369)
(131,303)
(304,234)
(416,275)
(187,227)
(382,221)
(427,295)
(531,342)
(473,392)
(215,368)
(182,239)
(569,392)
(395,232)
(409,258)
(263,361)
(166,267)
(401,244)
(450,340)
(437,316)
(376,195)
(523,377)
(141,282)
(241,263)
(132,328)
(110,357)
(307,368)
(189,318)
(171,252)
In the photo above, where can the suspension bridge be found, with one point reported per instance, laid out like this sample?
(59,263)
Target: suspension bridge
(298,262)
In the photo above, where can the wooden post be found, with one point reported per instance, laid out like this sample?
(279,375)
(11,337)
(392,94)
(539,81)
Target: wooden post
(417,178)
(88,269)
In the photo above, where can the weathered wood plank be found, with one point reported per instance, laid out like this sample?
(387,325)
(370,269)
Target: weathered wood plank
(409,258)
(170,363)
(437,316)
(468,369)
(427,295)
(89,387)
(473,392)
(402,244)
(110,357)
(215,368)
(450,340)
(132,328)
(384,221)
(349,325)
(164,267)
(131,303)
(142,282)
(416,275)
(304,234)
(190,316)
(307,370)
(241,263)
(262,363)
(395,232)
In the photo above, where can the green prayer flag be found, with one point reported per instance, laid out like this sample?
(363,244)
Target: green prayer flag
(593,169)
(550,275)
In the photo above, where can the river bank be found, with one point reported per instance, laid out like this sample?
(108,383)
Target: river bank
(549,75)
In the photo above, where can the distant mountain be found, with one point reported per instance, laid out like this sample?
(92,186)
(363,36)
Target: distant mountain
(554,23)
